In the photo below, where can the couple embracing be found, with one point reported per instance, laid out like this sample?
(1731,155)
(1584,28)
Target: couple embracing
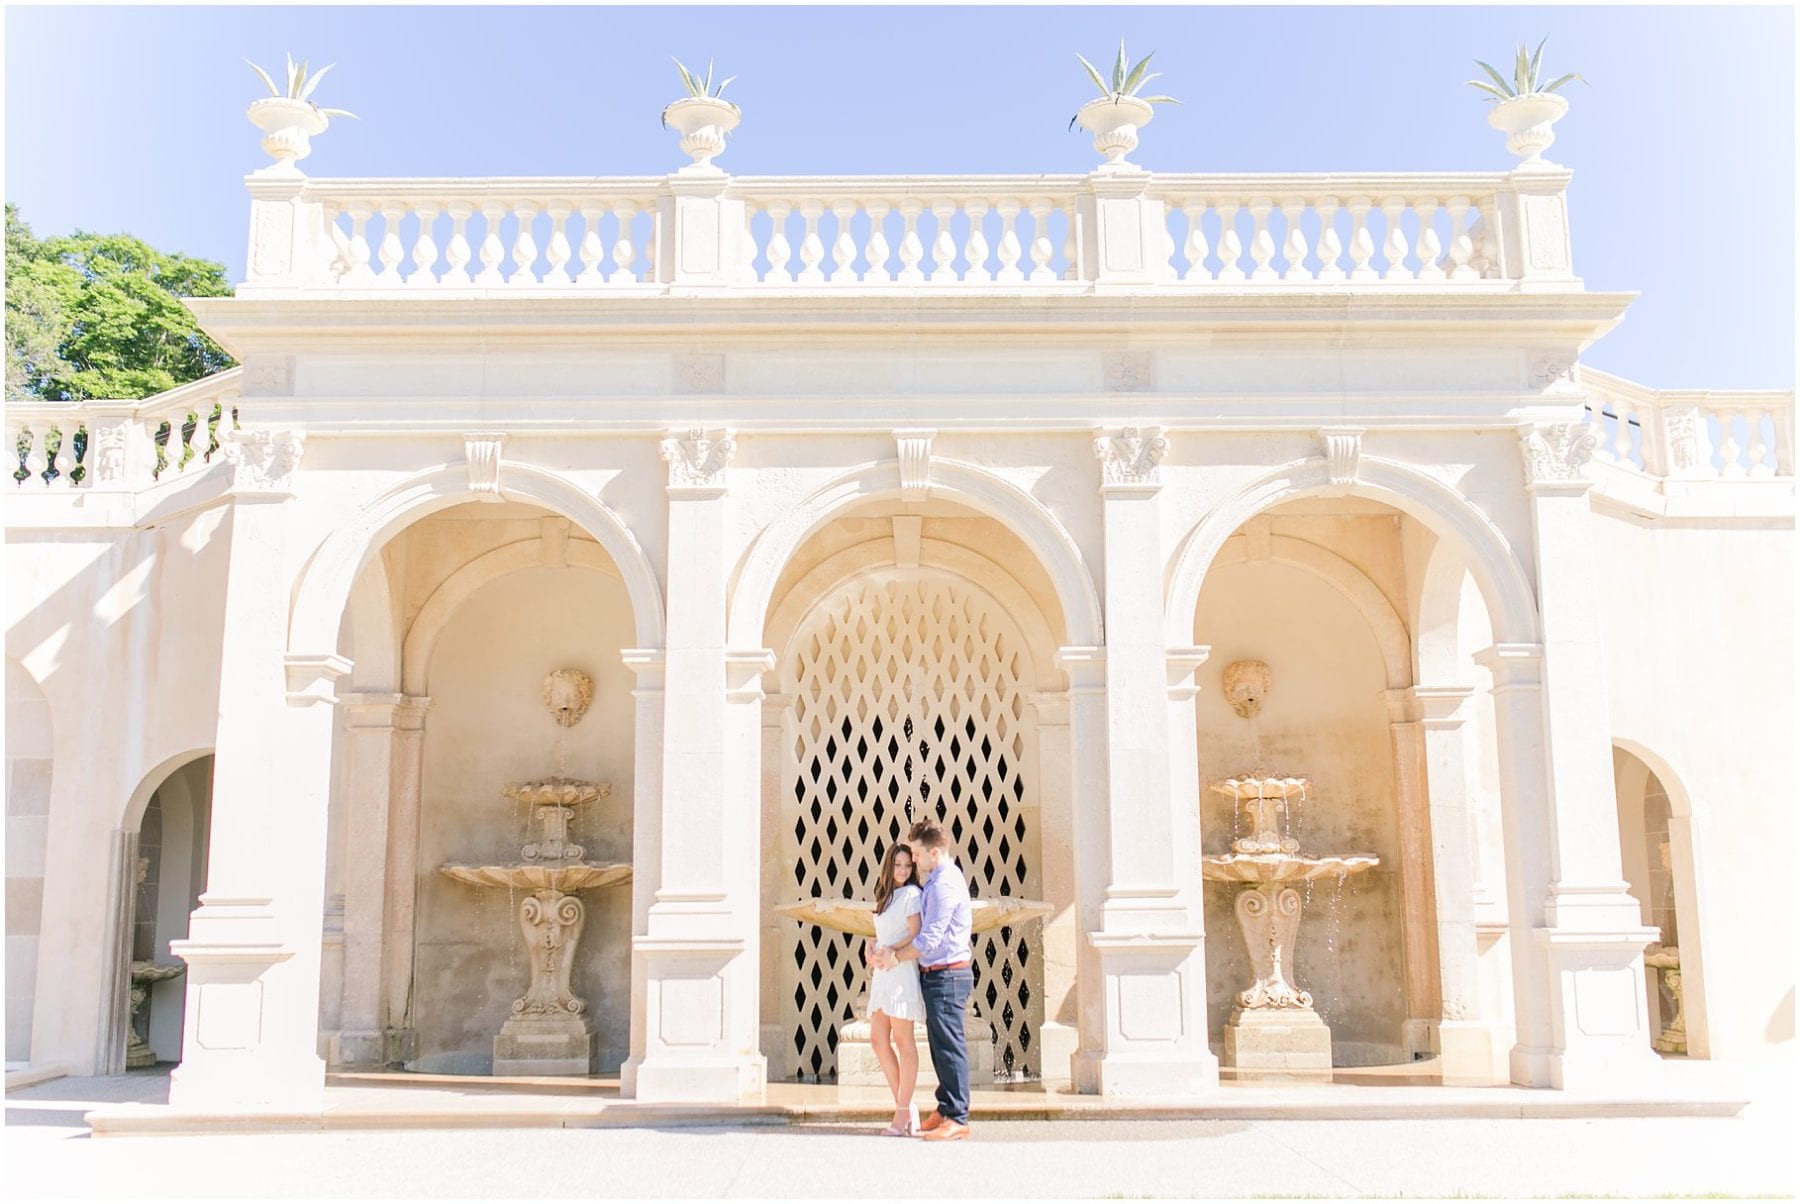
(919,970)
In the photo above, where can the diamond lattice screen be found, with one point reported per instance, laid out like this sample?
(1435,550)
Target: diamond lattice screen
(907,701)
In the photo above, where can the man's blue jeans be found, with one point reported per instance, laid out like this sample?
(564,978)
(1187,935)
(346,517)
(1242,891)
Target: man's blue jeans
(946,1000)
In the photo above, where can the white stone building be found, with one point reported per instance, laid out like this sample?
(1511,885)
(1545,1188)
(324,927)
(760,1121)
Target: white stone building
(857,496)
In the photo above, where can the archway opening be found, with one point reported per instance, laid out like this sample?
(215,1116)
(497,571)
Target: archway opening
(1656,852)
(911,666)
(168,840)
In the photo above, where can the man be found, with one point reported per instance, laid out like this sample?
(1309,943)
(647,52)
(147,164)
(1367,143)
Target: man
(942,949)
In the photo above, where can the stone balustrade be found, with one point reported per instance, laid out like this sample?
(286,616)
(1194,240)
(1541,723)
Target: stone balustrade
(1502,231)
(128,445)
(1691,434)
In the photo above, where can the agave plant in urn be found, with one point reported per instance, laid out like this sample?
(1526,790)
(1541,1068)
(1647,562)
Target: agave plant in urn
(1525,109)
(288,116)
(703,118)
(1115,116)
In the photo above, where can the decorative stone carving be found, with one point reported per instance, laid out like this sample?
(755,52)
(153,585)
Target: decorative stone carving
(915,463)
(268,375)
(699,372)
(1343,453)
(568,693)
(1246,684)
(697,458)
(482,451)
(1131,458)
(1558,454)
(144,975)
(109,454)
(1682,430)
(263,461)
(1129,371)
(1667,962)
(1548,370)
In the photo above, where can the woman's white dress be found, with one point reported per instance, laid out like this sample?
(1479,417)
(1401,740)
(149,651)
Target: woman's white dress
(896,991)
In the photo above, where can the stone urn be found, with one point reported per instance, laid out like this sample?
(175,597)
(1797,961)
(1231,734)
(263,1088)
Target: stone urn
(1526,122)
(288,126)
(703,122)
(1114,122)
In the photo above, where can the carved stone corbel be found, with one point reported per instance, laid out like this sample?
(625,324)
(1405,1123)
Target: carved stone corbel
(482,451)
(1131,459)
(914,450)
(697,459)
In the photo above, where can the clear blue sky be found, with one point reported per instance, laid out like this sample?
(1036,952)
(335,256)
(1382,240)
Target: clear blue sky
(132,118)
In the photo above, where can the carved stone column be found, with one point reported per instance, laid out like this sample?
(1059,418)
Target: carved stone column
(698,951)
(1060,1035)
(1577,936)
(253,950)
(369,751)
(401,879)
(1150,943)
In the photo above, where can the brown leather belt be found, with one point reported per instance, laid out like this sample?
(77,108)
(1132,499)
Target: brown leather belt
(947,966)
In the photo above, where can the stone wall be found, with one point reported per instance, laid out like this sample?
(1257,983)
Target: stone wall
(27,824)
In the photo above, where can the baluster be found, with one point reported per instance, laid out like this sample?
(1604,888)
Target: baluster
(1262,243)
(624,252)
(63,461)
(1362,243)
(1009,252)
(1430,247)
(1329,249)
(1168,271)
(1071,249)
(1042,249)
(524,248)
(492,249)
(1194,248)
(456,254)
(812,249)
(1231,247)
(34,455)
(391,251)
(1621,440)
(1293,247)
(557,251)
(593,246)
(340,244)
(1462,242)
(1784,441)
(780,250)
(424,252)
(1758,454)
(975,251)
(943,247)
(912,250)
(360,272)
(843,247)
(876,250)
(1393,248)
(1729,447)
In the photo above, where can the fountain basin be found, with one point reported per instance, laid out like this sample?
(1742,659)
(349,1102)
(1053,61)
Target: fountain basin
(566,878)
(857,916)
(1282,867)
(558,792)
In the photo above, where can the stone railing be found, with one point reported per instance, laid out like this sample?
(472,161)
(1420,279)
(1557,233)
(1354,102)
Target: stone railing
(1695,435)
(1501,231)
(122,444)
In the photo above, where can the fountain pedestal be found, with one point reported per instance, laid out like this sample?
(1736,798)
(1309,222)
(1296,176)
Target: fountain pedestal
(1274,1027)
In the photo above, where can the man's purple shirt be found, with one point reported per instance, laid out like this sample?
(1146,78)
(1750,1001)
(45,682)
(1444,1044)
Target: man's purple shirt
(944,918)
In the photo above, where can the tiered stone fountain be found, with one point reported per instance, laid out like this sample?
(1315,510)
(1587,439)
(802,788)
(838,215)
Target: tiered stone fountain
(1274,1026)
(549,1031)
(857,1067)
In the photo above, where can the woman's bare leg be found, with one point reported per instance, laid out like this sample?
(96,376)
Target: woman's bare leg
(880,1036)
(907,1053)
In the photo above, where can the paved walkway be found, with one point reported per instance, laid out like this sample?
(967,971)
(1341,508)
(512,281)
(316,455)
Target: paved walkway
(49,1154)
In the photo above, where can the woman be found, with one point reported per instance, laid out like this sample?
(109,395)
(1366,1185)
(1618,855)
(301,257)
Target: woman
(895,1000)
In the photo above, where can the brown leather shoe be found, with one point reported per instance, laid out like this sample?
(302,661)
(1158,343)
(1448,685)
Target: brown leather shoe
(933,1119)
(949,1130)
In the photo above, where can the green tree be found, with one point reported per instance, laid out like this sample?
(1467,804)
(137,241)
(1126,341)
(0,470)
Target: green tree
(100,316)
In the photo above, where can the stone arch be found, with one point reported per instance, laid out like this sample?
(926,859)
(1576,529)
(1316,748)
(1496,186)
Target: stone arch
(1496,569)
(152,781)
(422,636)
(1384,621)
(326,584)
(373,648)
(791,610)
(998,499)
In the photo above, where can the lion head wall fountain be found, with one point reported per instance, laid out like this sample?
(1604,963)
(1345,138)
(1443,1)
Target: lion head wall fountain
(1274,1026)
(549,1030)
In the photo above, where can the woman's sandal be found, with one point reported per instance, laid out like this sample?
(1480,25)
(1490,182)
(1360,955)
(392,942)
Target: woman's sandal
(911,1129)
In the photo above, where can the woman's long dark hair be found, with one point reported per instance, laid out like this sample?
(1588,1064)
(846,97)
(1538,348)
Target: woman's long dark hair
(884,886)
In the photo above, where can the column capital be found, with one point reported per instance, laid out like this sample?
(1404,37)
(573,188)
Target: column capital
(312,677)
(1556,457)
(1514,666)
(369,709)
(1130,459)
(263,462)
(697,460)
(1085,665)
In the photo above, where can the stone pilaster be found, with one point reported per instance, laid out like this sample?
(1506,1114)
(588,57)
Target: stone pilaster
(1150,942)
(1577,935)
(698,948)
